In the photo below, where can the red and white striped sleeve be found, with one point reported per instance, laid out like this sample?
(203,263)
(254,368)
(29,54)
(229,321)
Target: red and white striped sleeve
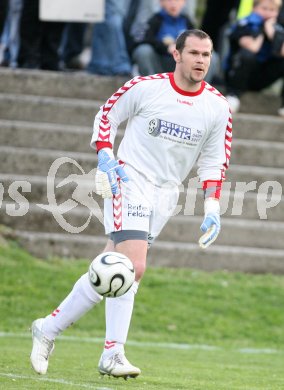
(215,156)
(119,107)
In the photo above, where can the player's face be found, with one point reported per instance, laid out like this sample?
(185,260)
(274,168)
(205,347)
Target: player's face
(194,60)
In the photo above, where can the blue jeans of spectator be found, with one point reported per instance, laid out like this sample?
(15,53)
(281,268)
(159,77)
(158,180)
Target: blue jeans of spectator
(3,13)
(109,54)
(72,41)
(11,33)
(150,62)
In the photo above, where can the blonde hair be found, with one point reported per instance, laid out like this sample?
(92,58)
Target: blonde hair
(277,3)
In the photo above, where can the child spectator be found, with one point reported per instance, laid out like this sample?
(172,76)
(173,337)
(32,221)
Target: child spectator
(256,58)
(154,54)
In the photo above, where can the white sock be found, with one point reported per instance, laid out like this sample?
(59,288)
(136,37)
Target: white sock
(118,317)
(80,300)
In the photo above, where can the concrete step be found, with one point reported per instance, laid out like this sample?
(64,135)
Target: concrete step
(261,153)
(77,139)
(258,127)
(29,161)
(48,109)
(31,217)
(260,103)
(71,137)
(48,136)
(236,204)
(180,228)
(162,253)
(234,232)
(45,135)
(84,86)
(250,174)
(46,83)
(246,126)
(34,161)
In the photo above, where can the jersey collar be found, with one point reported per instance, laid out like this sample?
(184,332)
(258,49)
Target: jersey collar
(185,93)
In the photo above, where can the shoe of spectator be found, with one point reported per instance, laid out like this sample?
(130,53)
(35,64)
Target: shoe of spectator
(281,112)
(234,103)
(74,63)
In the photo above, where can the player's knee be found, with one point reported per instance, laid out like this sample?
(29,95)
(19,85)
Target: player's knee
(140,268)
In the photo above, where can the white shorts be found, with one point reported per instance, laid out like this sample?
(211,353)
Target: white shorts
(140,205)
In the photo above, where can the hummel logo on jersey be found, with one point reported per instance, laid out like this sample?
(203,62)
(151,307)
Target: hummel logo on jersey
(174,132)
(185,102)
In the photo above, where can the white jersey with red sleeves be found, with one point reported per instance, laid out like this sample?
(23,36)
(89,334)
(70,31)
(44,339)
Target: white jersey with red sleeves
(168,129)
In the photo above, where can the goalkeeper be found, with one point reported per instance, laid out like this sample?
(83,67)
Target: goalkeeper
(173,121)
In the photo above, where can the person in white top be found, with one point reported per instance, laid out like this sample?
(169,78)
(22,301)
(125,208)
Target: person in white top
(173,121)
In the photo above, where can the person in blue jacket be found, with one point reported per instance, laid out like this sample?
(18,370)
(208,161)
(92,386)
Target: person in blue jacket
(154,53)
(256,56)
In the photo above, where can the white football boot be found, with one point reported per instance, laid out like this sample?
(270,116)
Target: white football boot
(42,348)
(117,366)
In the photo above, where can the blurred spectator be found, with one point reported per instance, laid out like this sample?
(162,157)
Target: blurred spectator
(154,53)
(215,17)
(215,20)
(39,40)
(109,54)
(140,11)
(280,18)
(135,21)
(72,45)
(10,40)
(256,58)
(245,8)
(281,15)
(190,9)
(135,15)
(3,13)
(278,47)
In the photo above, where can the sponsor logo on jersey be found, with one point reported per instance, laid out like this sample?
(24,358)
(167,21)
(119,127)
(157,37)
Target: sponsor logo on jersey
(174,132)
(137,211)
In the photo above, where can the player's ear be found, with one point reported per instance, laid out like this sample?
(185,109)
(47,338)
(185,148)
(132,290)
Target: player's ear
(176,55)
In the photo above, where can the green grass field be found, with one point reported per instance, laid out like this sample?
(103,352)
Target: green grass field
(190,330)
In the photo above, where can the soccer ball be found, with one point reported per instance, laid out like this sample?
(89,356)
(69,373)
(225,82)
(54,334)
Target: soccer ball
(111,274)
